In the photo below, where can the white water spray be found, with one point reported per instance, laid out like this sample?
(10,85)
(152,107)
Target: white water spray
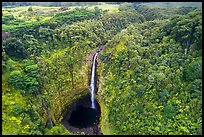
(92,84)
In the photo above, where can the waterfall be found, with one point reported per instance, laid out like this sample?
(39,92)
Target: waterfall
(92,84)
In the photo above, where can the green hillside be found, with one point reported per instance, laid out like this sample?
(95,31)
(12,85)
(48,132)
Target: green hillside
(149,72)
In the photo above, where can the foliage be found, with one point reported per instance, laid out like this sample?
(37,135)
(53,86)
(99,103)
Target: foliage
(75,15)
(7,18)
(30,9)
(57,130)
(150,82)
(149,71)
(26,78)
(193,71)
(15,48)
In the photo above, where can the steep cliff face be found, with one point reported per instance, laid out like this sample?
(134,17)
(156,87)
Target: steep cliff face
(83,103)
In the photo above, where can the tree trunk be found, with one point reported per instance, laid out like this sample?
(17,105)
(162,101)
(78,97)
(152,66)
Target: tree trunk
(46,108)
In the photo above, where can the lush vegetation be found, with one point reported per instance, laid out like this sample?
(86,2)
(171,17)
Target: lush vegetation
(154,77)
(149,76)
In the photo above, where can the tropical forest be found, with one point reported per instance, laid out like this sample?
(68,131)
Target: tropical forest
(101,68)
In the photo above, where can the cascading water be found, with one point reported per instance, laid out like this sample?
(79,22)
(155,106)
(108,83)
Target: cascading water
(84,114)
(92,84)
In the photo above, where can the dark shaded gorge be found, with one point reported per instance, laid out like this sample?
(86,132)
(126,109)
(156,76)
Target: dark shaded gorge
(83,117)
(80,117)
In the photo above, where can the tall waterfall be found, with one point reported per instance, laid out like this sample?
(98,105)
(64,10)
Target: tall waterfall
(92,84)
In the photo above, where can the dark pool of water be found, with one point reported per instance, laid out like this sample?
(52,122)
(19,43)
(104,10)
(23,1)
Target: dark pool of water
(84,117)
(80,117)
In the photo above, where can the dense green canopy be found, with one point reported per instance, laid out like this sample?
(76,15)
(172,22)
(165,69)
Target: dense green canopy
(149,72)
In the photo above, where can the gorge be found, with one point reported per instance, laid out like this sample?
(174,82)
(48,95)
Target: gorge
(85,112)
